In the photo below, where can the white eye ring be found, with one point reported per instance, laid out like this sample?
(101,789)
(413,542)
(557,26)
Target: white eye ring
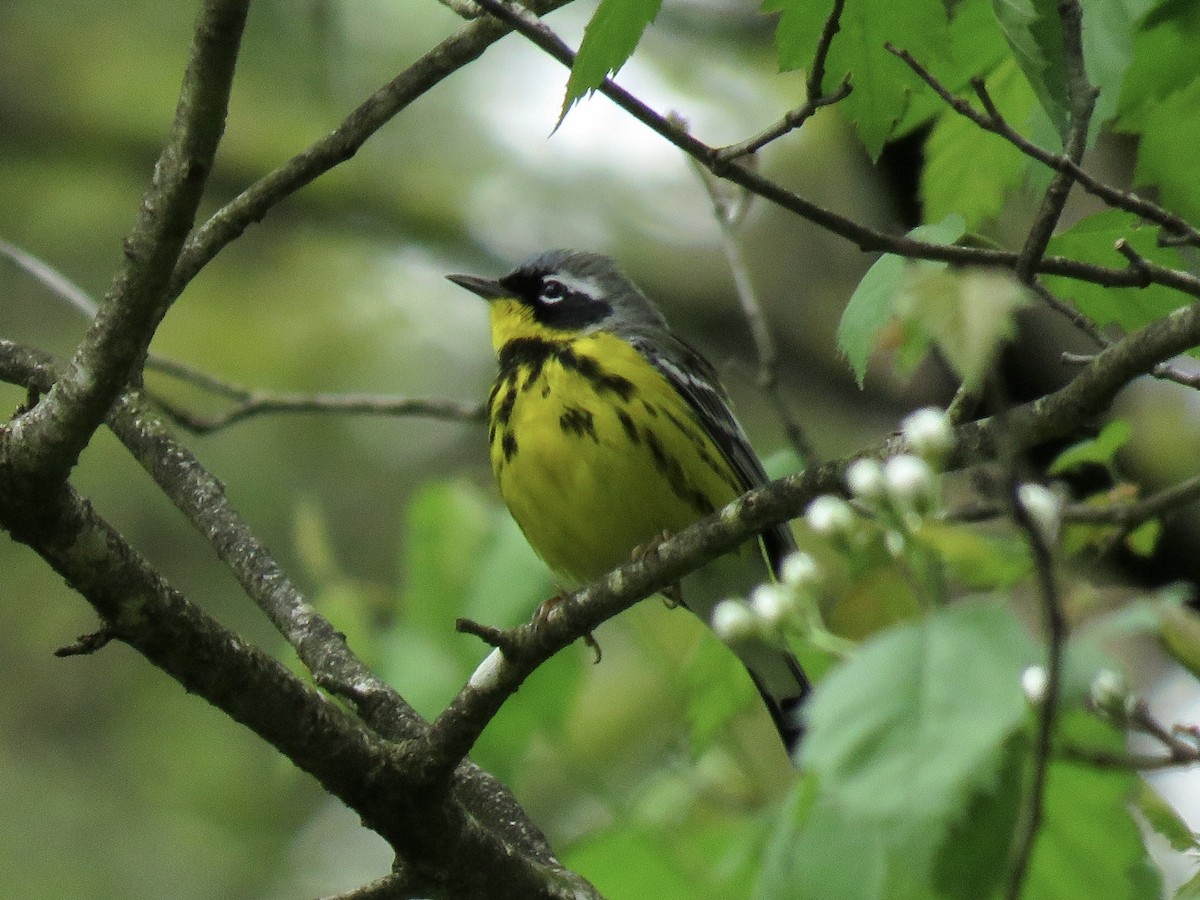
(553,291)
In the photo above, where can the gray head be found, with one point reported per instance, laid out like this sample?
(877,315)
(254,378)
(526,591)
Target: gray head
(571,290)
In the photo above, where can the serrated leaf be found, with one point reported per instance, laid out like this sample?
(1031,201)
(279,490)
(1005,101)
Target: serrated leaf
(884,753)
(870,306)
(1100,450)
(884,787)
(1091,240)
(882,83)
(1034,32)
(970,171)
(608,41)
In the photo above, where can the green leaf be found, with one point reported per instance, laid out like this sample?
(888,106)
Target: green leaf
(975,48)
(1089,845)
(979,560)
(1034,32)
(1100,450)
(1166,820)
(883,85)
(1143,539)
(970,171)
(969,313)
(1180,631)
(883,752)
(608,41)
(1108,52)
(966,864)
(867,312)
(1166,155)
(1164,61)
(1091,240)
(870,306)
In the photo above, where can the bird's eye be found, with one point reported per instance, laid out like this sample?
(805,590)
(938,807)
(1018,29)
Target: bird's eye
(553,291)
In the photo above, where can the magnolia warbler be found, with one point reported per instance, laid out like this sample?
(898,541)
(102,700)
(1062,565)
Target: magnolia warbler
(606,430)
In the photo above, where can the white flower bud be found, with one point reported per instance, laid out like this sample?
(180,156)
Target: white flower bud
(1110,693)
(911,483)
(732,621)
(1033,682)
(1044,508)
(830,516)
(774,604)
(894,542)
(929,434)
(799,569)
(864,478)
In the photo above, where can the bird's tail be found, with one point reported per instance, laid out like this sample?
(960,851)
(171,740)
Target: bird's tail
(775,671)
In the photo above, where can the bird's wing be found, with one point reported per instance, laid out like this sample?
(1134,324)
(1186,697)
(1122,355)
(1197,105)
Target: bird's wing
(695,379)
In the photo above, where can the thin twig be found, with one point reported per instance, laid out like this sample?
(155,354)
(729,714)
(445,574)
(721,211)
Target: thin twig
(259,403)
(1055,625)
(58,283)
(816,98)
(1130,515)
(1178,230)
(1081,101)
(866,238)
(1168,372)
(767,375)
(1081,98)
(1070,313)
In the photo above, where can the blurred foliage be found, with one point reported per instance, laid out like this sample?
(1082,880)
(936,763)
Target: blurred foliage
(124,786)
(115,783)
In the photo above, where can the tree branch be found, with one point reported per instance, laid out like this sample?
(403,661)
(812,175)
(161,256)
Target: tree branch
(339,145)
(428,823)
(1081,98)
(767,376)
(1179,229)
(866,238)
(815,91)
(42,445)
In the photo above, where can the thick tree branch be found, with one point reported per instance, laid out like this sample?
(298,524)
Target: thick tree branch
(40,447)
(1020,428)
(429,823)
(339,145)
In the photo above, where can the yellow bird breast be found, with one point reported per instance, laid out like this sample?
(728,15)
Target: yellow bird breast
(595,453)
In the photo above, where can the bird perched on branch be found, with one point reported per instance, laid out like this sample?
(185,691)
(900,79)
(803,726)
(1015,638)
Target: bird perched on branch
(606,431)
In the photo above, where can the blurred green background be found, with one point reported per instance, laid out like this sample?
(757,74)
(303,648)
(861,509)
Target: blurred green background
(113,781)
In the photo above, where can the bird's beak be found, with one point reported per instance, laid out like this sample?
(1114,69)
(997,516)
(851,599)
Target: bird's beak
(484,287)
